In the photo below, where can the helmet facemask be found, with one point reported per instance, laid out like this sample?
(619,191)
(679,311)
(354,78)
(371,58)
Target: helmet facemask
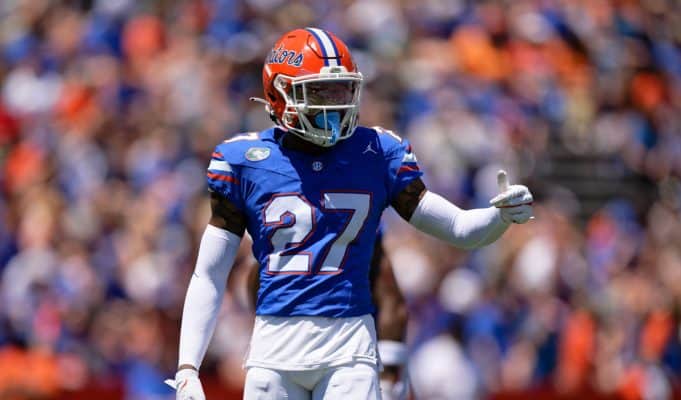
(321,108)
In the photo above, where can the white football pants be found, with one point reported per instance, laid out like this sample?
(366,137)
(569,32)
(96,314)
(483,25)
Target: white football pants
(357,381)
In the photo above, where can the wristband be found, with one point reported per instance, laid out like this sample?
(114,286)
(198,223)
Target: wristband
(186,373)
(392,352)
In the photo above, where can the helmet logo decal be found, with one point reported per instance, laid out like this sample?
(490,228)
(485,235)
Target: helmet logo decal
(312,86)
(285,56)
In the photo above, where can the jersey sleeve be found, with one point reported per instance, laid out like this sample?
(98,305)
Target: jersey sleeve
(403,168)
(223,177)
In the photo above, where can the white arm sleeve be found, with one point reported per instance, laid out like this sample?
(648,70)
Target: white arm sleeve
(468,229)
(204,296)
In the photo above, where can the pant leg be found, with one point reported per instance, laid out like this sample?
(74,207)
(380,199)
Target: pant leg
(269,384)
(357,381)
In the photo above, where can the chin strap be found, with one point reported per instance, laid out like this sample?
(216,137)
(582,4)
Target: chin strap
(268,108)
(261,101)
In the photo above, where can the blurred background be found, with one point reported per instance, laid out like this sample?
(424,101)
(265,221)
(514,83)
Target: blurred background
(109,110)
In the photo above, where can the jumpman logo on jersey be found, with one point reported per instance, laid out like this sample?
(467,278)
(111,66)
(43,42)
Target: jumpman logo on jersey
(369,149)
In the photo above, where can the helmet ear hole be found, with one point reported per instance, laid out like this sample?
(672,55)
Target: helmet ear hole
(279,82)
(272,97)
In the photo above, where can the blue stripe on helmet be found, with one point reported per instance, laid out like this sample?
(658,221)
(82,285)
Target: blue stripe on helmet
(335,49)
(321,45)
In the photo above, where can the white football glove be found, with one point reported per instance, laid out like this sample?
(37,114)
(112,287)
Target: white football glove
(514,202)
(187,385)
(396,390)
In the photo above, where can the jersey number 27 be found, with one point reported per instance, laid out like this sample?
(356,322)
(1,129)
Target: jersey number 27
(293,218)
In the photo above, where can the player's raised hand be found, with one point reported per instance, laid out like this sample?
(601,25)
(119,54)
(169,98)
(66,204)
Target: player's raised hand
(514,201)
(187,385)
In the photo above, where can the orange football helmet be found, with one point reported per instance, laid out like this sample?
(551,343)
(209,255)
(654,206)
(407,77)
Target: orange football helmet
(312,86)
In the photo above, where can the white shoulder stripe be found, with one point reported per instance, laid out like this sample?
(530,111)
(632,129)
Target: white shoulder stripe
(327,42)
(217,165)
(409,157)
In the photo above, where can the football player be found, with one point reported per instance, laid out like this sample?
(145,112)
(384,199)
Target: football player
(391,320)
(311,191)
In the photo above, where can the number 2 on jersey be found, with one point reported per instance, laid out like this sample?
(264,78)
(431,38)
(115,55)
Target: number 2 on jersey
(293,219)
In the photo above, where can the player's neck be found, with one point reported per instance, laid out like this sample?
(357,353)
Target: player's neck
(293,142)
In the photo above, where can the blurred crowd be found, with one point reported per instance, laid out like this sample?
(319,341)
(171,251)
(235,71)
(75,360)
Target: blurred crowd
(109,110)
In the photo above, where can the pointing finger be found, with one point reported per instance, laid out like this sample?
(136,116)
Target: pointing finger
(502,180)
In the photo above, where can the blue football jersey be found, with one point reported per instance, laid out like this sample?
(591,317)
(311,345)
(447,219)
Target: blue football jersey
(313,218)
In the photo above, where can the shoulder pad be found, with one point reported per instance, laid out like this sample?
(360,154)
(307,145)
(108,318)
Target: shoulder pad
(387,134)
(389,141)
(243,148)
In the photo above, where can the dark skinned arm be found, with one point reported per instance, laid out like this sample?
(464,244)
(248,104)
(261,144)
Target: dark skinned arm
(392,315)
(391,323)
(227,216)
(408,199)
(253,283)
